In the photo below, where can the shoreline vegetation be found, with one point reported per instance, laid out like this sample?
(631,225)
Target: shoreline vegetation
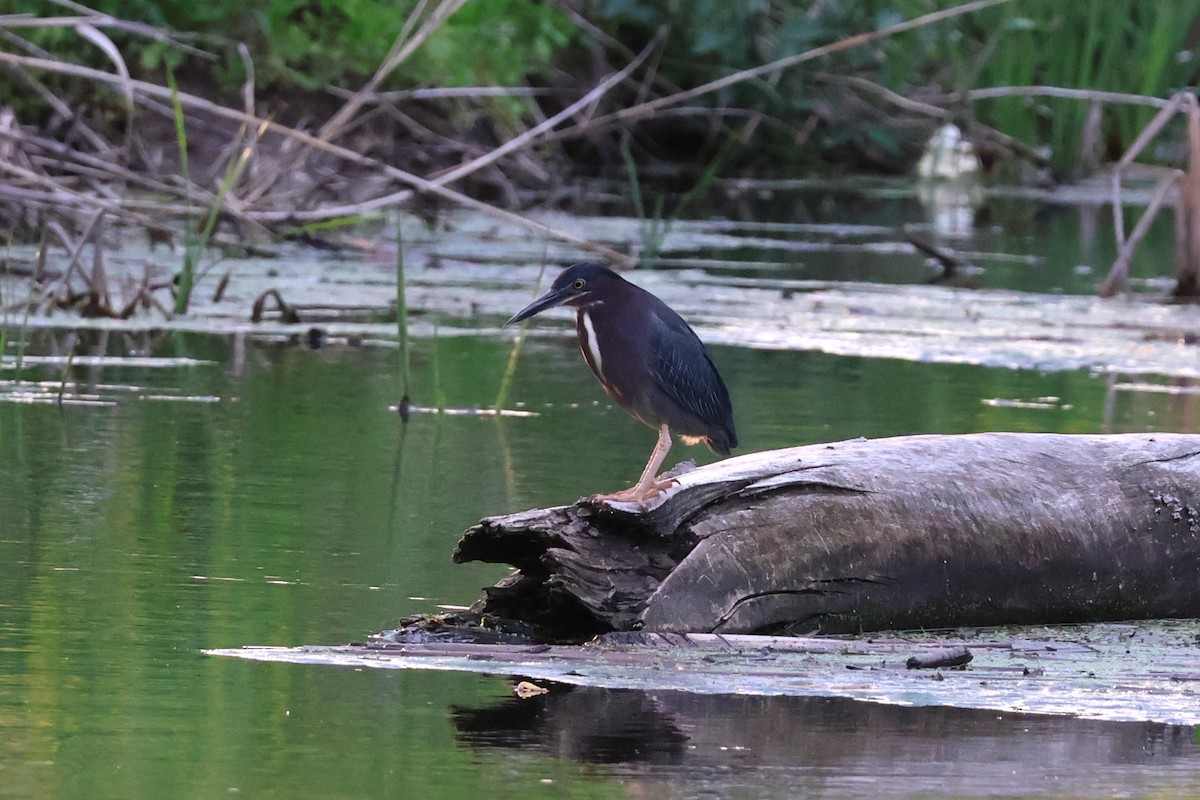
(278,118)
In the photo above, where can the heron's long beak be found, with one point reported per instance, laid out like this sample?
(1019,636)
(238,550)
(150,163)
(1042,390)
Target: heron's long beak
(552,298)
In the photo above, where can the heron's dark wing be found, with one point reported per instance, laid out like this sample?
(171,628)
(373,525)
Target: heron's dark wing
(686,374)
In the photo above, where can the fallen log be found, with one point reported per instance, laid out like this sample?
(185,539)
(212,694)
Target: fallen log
(908,532)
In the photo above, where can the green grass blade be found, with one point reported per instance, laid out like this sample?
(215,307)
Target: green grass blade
(180,128)
(187,273)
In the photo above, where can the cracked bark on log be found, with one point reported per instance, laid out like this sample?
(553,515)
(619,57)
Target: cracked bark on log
(918,531)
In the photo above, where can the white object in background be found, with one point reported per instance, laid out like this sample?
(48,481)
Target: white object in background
(948,156)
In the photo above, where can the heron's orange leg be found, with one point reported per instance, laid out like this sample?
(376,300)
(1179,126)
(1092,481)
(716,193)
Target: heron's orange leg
(648,485)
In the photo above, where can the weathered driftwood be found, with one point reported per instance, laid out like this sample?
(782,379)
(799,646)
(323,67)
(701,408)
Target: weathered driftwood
(1115,671)
(920,531)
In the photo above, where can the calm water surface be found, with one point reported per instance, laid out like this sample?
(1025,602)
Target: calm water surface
(269,497)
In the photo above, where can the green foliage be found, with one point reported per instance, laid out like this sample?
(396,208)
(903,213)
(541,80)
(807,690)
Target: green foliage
(716,38)
(653,227)
(1121,45)
(1140,47)
(313,44)
(493,43)
(1128,46)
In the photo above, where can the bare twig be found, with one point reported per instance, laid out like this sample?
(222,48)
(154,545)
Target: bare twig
(89,16)
(1090,95)
(287,312)
(935,112)
(401,49)
(1187,212)
(523,140)
(533,133)
(60,107)
(74,251)
(443,12)
(648,109)
(603,38)
(1118,274)
(1169,109)
(434,93)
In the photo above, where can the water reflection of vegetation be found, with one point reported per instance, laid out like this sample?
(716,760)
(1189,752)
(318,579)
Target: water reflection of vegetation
(197,236)
(298,509)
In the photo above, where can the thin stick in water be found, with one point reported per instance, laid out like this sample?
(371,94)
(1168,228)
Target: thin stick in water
(402,323)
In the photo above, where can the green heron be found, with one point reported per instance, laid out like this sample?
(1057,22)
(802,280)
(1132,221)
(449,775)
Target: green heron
(648,360)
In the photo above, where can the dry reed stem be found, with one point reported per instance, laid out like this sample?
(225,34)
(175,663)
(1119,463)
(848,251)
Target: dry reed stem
(64,195)
(74,251)
(529,136)
(1090,95)
(934,111)
(106,45)
(1187,260)
(89,16)
(201,104)
(1187,213)
(525,139)
(97,280)
(59,106)
(60,156)
(401,50)
(1135,149)
(449,92)
(434,186)
(248,104)
(1118,275)
(585,25)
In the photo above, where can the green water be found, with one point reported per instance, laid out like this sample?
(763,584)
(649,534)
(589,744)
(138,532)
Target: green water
(293,508)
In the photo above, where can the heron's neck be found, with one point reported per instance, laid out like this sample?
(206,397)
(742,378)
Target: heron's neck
(588,342)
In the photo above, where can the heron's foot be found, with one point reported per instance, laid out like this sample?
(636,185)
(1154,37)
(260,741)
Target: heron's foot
(635,494)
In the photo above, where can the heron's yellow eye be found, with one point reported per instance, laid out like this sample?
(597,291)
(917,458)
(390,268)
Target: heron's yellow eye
(580,283)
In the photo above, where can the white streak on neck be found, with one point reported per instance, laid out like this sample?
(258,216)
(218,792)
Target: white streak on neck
(593,345)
